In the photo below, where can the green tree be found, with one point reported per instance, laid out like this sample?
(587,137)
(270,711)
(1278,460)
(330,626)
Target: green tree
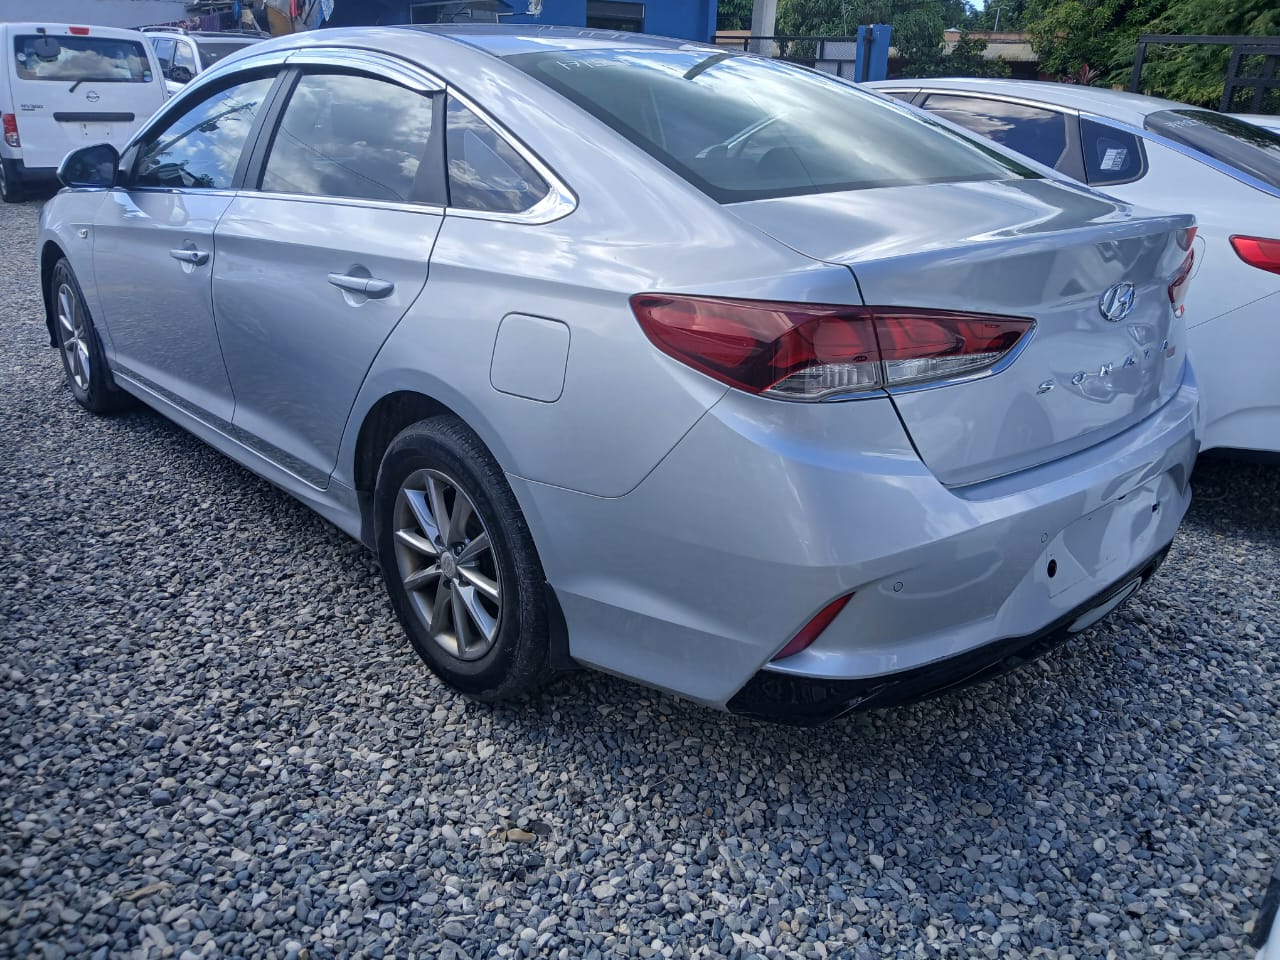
(734,14)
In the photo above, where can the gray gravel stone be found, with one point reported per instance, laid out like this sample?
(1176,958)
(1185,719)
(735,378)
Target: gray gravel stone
(208,714)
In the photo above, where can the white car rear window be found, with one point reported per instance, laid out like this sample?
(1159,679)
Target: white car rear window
(99,59)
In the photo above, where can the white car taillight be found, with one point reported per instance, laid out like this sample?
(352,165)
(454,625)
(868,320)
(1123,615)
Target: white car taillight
(10,123)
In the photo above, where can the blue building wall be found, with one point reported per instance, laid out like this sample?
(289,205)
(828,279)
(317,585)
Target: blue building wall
(686,19)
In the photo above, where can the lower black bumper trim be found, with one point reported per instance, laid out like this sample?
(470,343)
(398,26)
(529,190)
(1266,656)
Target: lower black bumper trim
(809,701)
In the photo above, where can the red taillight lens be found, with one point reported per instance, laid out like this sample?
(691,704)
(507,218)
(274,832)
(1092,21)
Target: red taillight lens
(1258,252)
(813,629)
(806,351)
(10,124)
(1186,237)
(78,31)
(1180,283)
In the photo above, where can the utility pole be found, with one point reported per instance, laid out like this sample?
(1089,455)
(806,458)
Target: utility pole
(996,28)
(764,16)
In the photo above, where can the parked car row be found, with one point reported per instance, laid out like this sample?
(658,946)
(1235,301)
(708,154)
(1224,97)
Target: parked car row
(63,86)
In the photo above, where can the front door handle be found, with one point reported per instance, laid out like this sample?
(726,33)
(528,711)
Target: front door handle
(190,255)
(371,287)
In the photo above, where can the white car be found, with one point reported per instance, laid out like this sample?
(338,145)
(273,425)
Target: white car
(1267,120)
(63,87)
(185,53)
(1163,154)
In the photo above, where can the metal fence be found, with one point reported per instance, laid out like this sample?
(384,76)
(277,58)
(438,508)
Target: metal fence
(1251,70)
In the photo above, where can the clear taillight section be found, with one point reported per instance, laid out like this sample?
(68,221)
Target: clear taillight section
(1182,279)
(806,351)
(10,125)
(1258,252)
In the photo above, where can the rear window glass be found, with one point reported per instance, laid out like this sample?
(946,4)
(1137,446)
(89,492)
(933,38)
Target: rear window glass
(211,51)
(743,128)
(100,59)
(1248,147)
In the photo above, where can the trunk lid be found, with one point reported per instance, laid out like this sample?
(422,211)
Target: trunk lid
(1025,248)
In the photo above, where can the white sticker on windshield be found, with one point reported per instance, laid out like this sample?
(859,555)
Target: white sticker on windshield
(1113,158)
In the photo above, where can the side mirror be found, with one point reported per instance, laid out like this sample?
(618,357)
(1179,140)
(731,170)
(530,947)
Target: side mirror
(180,74)
(95,166)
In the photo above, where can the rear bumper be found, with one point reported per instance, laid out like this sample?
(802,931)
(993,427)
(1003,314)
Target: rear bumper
(767,511)
(33,175)
(808,701)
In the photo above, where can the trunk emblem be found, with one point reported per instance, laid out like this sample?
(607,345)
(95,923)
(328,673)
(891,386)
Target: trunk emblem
(1116,301)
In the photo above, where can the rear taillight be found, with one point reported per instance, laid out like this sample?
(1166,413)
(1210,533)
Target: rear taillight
(813,629)
(808,351)
(1258,252)
(1179,284)
(10,124)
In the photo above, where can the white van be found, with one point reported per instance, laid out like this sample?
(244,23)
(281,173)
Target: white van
(63,87)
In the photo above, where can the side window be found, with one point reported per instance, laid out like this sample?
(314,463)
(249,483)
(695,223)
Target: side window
(486,172)
(201,148)
(183,57)
(164,53)
(1110,155)
(1039,134)
(345,135)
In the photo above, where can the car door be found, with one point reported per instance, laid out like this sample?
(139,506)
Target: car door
(1038,131)
(318,261)
(153,251)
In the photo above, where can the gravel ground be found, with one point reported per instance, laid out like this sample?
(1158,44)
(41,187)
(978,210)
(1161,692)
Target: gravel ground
(216,742)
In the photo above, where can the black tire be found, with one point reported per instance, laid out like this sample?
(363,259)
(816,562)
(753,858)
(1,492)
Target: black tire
(11,187)
(90,381)
(515,658)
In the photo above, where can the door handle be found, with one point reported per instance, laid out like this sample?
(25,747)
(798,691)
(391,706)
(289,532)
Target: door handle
(371,287)
(196,257)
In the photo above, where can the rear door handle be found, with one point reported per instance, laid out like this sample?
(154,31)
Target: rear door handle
(196,257)
(371,287)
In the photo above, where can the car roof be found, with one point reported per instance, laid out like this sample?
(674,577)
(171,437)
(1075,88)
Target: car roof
(506,39)
(1117,104)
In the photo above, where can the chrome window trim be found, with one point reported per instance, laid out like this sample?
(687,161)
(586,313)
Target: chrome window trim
(985,95)
(404,207)
(558,202)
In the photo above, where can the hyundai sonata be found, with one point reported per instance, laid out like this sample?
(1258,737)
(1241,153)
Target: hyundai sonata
(695,367)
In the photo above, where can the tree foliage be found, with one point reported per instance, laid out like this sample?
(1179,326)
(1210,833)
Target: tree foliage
(1103,34)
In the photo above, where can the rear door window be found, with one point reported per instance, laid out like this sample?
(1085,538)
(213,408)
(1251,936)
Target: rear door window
(1110,156)
(486,172)
(201,148)
(346,135)
(1245,146)
(164,53)
(1037,133)
(100,59)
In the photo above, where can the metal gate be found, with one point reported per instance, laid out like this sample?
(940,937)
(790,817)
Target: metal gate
(1253,67)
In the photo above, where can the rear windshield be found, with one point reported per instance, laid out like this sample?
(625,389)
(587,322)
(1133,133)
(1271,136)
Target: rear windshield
(1245,146)
(745,128)
(211,51)
(100,59)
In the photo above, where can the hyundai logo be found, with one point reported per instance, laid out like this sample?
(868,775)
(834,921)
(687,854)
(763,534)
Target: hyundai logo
(1116,301)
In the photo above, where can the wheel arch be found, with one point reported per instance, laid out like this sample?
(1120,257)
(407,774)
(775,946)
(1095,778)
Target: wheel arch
(50,254)
(390,414)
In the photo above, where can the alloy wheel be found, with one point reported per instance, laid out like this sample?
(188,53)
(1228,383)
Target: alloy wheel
(447,564)
(75,336)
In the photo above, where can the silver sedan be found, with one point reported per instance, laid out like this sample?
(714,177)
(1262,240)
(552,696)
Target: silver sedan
(628,353)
